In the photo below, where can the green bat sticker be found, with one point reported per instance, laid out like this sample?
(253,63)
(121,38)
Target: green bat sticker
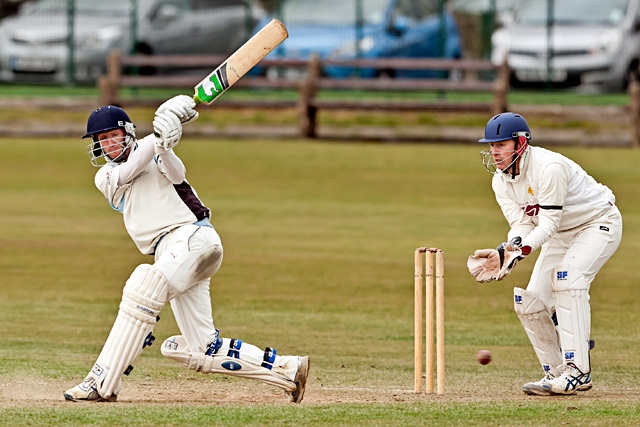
(213,86)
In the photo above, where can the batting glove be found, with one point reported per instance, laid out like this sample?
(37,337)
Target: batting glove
(182,106)
(168,130)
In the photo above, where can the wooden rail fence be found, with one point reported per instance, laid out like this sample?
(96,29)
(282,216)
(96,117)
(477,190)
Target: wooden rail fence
(470,77)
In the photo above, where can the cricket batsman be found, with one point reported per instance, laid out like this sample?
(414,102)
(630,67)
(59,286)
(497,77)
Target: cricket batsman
(146,181)
(550,203)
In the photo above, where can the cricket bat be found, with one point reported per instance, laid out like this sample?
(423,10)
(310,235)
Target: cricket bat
(240,62)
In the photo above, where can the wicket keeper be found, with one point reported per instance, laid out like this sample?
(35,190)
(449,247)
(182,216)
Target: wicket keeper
(550,203)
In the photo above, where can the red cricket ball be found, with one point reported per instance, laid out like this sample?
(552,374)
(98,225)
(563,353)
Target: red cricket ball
(483,357)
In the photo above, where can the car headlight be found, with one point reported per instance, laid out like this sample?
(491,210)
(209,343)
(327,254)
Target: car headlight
(100,39)
(610,41)
(348,50)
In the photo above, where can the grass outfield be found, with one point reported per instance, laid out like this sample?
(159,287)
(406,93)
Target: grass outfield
(319,241)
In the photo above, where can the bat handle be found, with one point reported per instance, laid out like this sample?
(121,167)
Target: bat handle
(197,99)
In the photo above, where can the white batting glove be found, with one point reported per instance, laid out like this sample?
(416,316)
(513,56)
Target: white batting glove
(168,130)
(182,106)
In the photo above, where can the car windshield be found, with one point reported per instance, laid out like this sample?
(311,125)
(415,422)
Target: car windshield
(574,12)
(112,7)
(332,12)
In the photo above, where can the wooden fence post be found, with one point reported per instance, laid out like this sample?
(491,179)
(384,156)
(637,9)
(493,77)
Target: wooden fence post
(109,85)
(307,112)
(634,101)
(501,88)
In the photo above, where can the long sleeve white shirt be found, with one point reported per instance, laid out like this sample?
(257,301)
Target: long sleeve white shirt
(551,194)
(151,192)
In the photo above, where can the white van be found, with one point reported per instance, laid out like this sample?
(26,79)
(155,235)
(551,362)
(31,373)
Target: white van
(592,42)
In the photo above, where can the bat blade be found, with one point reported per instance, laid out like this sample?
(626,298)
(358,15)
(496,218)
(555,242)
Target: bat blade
(240,62)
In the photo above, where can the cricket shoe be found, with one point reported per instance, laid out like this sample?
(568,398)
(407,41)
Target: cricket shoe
(537,388)
(570,381)
(300,380)
(86,391)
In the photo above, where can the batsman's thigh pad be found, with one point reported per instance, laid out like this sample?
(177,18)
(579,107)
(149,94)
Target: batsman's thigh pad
(143,297)
(224,357)
(540,328)
(188,255)
(571,297)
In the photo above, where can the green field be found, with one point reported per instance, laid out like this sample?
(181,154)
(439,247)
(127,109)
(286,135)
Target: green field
(319,240)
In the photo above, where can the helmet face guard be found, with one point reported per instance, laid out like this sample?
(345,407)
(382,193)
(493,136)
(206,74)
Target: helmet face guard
(105,119)
(504,127)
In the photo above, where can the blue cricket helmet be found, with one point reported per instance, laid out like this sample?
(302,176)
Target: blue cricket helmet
(106,118)
(504,126)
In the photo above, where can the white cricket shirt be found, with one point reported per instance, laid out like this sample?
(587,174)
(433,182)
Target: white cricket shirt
(142,190)
(551,194)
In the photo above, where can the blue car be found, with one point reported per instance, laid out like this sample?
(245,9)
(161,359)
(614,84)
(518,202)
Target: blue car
(389,29)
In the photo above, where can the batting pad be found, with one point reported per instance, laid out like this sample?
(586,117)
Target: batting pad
(571,297)
(175,348)
(144,296)
(539,327)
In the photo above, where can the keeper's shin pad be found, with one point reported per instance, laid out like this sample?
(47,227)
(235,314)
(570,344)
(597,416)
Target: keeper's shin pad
(143,297)
(571,297)
(539,327)
(175,348)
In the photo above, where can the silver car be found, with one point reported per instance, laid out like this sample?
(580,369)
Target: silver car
(36,44)
(592,42)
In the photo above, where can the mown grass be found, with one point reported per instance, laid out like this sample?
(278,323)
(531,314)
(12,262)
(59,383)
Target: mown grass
(429,414)
(319,241)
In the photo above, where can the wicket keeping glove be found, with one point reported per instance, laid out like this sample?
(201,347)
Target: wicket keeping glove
(484,265)
(510,253)
(495,264)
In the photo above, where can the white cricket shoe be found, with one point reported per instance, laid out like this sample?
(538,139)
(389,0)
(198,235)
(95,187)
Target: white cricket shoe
(86,391)
(300,379)
(537,388)
(570,381)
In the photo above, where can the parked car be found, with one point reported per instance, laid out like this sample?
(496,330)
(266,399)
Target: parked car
(34,47)
(591,42)
(390,29)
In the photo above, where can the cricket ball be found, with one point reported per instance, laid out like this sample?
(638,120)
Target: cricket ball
(483,357)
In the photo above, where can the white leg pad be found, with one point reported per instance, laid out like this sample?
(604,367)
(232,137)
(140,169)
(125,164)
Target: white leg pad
(571,297)
(539,327)
(175,348)
(144,296)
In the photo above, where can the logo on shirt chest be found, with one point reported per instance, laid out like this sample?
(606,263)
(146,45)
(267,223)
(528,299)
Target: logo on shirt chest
(531,209)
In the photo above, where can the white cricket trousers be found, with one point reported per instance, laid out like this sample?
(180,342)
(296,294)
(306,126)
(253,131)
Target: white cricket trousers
(587,248)
(188,256)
